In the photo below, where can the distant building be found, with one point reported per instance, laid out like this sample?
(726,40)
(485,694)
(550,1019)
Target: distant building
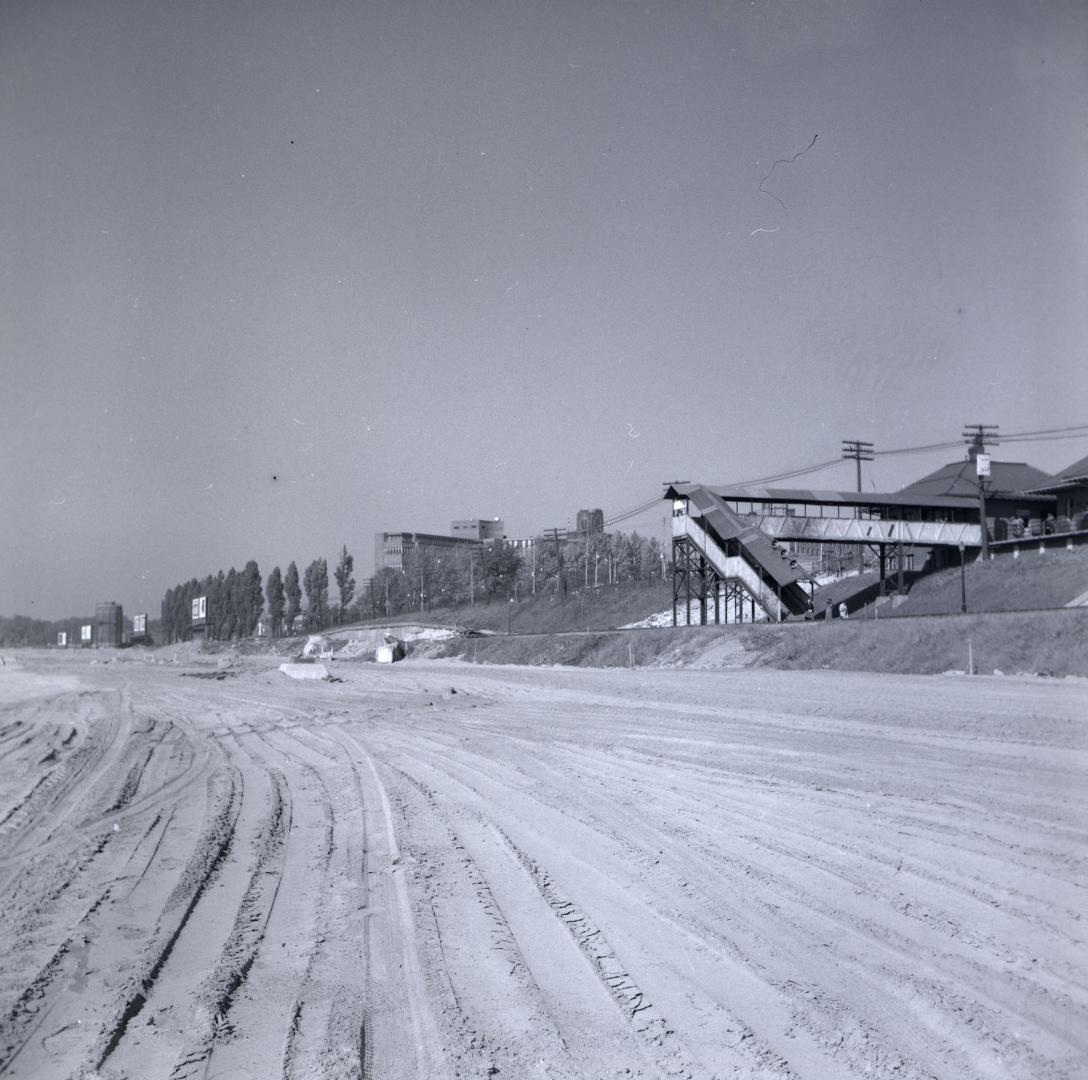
(398,550)
(479,529)
(109,624)
(589,521)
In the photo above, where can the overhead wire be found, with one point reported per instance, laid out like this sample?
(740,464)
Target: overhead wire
(1075,431)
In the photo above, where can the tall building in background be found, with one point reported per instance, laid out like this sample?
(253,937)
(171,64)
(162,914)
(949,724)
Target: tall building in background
(481,529)
(399,550)
(590,521)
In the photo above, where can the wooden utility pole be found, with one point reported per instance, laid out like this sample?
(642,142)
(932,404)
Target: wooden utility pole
(978,437)
(558,559)
(859,451)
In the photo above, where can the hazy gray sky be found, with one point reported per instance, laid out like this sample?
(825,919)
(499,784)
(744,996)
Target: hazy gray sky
(277,275)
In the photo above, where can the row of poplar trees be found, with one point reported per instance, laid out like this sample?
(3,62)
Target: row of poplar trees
(235,600)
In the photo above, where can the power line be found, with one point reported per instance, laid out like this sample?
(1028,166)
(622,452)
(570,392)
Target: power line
(1048,431)
(787,475)
(1043,438)
(1075,431)
(917,449)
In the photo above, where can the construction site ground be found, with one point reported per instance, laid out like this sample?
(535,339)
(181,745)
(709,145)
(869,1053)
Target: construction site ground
(435,869)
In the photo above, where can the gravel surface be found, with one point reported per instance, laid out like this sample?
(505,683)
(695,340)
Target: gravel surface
(442,870)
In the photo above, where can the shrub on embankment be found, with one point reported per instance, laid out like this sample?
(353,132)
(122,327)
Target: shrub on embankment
(1051,642)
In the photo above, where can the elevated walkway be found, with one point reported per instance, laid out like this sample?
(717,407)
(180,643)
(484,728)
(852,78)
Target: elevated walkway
(870,531)
(718,554)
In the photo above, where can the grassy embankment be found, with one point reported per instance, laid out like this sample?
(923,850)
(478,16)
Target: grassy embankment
(1044,642)
(591,609)
(1036,579)
(1010,637)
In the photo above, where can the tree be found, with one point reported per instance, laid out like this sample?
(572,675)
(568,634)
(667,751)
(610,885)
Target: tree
(274,592)
(316,583)
(228,598)
(344,580)
(294,595)
(498,569)
(252,597)
(389,592)
(214,589)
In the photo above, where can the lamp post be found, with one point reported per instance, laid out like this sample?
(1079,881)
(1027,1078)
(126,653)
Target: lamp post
(963,583)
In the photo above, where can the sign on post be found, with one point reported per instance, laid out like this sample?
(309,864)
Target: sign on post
(200,608)
(982,465)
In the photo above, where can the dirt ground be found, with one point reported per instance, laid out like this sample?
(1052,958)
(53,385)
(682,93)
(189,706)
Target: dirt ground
(441,870)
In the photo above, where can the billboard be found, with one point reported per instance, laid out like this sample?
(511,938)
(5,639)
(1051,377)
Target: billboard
(62,639)
(139,625)
(85,633)
(982,465)
(200,608)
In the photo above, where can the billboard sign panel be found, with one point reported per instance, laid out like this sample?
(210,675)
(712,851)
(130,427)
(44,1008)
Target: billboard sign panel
(982,464)
(85,633)
(62,638)
(200,608)
(139,624)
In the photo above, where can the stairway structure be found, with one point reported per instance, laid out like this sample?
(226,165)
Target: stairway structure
(718,556)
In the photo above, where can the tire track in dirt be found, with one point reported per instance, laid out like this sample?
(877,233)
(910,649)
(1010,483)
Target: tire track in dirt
(394,1044)
(216,996)
(30,816)
(832,900)
(825,889)
(758,1026)
(296,986)
(509,964)
(36,1003)
(224,799)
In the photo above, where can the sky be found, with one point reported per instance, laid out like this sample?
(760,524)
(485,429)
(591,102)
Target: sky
(277,276)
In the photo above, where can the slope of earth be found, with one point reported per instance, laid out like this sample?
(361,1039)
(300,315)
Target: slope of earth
(444,870)
(1050,642)
(1048,579)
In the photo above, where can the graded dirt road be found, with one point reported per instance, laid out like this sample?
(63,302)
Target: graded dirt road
(440,870)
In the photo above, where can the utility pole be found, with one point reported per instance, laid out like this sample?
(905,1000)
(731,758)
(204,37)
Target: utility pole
(978,437)
(856,450)
(859,451)
(558,560)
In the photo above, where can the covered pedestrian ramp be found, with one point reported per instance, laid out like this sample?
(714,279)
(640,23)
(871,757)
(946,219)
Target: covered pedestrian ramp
(719,558)
(728,541)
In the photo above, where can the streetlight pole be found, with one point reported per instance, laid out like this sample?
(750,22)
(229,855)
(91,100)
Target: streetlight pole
(963,583)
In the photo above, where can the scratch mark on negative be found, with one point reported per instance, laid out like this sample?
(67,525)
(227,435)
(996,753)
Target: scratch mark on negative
(784,161)
(754,231)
